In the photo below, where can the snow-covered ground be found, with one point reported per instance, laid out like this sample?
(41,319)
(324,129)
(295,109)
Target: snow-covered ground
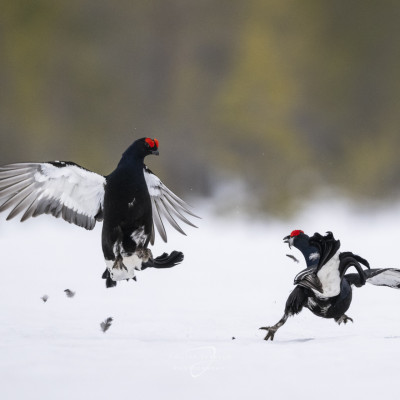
(173,330)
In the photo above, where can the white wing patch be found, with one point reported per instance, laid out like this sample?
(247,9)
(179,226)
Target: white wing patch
(62,189)
(165,204)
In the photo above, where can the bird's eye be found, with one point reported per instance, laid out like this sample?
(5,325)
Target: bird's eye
(149,142)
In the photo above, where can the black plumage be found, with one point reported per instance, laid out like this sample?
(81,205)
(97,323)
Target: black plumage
(324,287)
(130,201)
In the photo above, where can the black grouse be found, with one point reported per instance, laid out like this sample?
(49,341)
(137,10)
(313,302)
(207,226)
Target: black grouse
(129,201)
(324,287)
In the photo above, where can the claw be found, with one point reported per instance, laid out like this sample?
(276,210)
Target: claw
(271,332)
(344,318)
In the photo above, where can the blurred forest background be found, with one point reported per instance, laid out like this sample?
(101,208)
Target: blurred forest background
(259,103)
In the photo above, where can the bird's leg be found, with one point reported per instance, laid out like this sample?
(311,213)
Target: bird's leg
(272,329)
(119,263)
(145,255)
(344,318)
(107,277)
(294,304)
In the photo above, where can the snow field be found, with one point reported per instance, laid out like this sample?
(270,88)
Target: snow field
(172,332)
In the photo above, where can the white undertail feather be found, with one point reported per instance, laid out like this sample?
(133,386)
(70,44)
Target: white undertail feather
(130,265)
(125,265)
(329,277)
(390,277)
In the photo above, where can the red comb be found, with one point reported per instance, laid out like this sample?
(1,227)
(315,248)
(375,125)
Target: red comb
(156,142)
(150,142)
(296,233)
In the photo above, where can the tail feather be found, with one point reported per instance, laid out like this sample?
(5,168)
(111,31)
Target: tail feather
(384,277)
(389,277)
(165,260)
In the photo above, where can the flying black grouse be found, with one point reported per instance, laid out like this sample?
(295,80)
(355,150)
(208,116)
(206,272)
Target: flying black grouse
(324,287)
(129,201)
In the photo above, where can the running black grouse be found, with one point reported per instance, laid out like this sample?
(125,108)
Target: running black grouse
(130,201)
(324,287)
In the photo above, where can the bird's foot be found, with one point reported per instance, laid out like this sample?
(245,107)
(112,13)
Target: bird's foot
(119,264)
(118,270)
(344,318)
(145,255)
(109,282)
(271,332)
(125,265)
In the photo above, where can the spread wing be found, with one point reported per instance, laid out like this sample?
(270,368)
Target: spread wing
(165,204)
(62,189)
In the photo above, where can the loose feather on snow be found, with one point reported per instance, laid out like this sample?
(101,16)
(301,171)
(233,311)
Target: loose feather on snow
(69,293)
(105,325)
(45,298)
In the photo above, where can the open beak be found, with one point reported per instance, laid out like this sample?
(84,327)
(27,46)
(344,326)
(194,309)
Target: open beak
(288,240)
